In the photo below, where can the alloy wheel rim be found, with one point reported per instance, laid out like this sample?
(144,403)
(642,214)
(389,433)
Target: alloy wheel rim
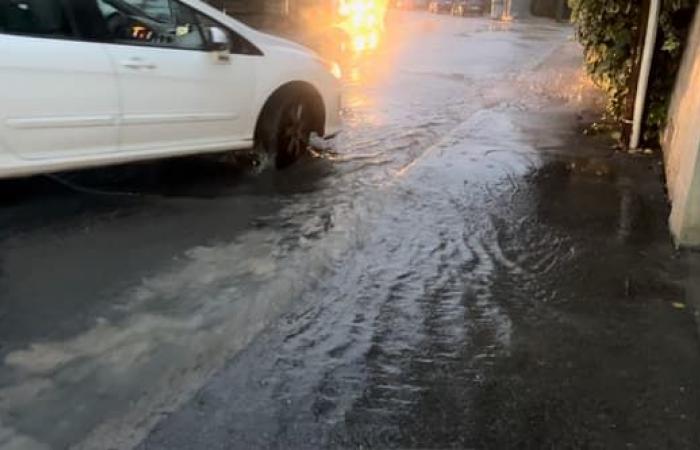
(295,131)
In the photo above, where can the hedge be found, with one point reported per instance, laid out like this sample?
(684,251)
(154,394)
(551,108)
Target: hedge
(609,32)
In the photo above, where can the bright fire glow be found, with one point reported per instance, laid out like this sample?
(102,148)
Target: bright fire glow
(363,20)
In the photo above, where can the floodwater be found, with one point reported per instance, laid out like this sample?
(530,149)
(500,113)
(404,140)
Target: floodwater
(461,268)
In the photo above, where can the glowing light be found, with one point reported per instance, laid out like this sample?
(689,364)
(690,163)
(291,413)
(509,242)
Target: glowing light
(336,71)
(357,21)
(355,75)
(363,21)
(344,9)
(373,40)
(359,43)
(371,21)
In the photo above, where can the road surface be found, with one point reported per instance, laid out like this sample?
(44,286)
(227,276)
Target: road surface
(463,268)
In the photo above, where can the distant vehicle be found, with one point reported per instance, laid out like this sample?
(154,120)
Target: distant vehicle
(469,7)
(411,4)
(97,82)
(440,6)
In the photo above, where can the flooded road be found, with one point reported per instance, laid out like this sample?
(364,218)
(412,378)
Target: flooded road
(462,269)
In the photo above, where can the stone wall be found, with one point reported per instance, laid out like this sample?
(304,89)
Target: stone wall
(681,145)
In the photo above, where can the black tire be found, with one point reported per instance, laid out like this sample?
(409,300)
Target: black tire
(285,131)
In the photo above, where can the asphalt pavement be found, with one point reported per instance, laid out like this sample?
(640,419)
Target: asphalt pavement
(464,267)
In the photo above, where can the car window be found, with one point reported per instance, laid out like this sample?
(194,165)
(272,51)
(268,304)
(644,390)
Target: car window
(160,23)
(35,18)
(159,9)
(237,44)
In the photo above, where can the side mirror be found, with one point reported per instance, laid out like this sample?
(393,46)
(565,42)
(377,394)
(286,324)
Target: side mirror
(218,40)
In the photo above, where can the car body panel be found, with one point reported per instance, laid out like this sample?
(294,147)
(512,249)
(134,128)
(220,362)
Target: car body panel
(184,102)
(58,98)
(11,166)
(158,100)
(301,63)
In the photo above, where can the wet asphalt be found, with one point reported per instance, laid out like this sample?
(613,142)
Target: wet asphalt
(463,268)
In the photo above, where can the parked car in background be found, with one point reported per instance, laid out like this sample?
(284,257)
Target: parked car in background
(440,6)
(469,7)
(96,82)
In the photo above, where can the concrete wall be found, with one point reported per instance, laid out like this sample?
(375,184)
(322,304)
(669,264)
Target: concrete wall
(682,146)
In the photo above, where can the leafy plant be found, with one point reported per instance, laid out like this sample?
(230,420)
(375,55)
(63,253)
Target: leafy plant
(609,32)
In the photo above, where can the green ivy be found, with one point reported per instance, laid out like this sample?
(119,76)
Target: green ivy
(608,31)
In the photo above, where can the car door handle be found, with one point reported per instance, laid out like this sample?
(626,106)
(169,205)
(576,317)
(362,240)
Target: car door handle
(137,64)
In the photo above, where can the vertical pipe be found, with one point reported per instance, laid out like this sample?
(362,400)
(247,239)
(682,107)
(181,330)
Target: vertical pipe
(633,80)
(645,72)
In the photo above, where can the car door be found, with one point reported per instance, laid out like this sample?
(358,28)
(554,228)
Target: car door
(58,94)
(176,94)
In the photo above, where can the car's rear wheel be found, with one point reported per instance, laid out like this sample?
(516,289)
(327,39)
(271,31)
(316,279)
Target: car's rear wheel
(286,131)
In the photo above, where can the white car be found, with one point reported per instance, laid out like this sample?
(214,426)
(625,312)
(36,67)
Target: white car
(97,82)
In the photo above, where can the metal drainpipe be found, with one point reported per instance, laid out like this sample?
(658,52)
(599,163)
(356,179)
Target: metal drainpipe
(645,72)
